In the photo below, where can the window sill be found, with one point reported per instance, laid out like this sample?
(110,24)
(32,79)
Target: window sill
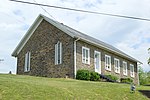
(108,70)
(125,74)
(26,71)
(117,72)
(85,63)
(132,76)
(58,64)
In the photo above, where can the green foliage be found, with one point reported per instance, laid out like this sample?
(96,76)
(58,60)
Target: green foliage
(126,80)
(83,75)
(149,61)
(143,77)
(149,57)
(115,78)
(87,75)
(148,77)
(94,76)
(144,81)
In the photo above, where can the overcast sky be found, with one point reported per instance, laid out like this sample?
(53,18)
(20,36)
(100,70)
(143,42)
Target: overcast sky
(130,36)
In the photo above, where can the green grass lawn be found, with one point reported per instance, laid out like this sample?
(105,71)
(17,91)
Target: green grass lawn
(19,87)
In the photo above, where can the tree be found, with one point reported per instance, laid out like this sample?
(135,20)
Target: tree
(142,76)
(148,77)
(149,57)
(148,73)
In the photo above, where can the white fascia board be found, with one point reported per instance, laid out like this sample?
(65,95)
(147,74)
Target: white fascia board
(27,35)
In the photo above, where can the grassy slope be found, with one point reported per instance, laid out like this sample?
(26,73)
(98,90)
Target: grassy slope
(18,87)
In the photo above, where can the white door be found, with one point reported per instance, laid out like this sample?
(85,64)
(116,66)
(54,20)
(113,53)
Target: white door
(97,61)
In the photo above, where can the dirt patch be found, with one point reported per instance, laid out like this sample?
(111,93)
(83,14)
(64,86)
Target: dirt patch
(145,92)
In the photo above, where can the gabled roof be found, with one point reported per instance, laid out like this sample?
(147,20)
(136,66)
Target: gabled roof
(73,33)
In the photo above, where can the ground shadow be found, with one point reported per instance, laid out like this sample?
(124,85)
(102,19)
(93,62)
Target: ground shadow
(145,92)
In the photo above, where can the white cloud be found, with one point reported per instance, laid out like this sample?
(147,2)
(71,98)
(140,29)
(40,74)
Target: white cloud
(131,36)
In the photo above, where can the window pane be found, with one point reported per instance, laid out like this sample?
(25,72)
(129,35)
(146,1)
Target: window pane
(27,62)
(131,69)
(116,65)
(58,52)
(85,55)
(105,60)
(83,52)
(25,66)
(108,62)
(55,54)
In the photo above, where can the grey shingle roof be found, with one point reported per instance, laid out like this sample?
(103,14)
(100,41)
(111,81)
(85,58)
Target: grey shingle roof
(73,33)
(76,34)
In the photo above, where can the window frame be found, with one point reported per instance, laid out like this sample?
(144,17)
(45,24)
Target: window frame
(98,52)
(58,53)
(131,73)
(84,58)
(106,65)
(117,68)
(125,72)
(27,62)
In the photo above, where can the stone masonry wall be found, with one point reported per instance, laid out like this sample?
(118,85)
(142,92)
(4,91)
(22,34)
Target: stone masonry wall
(42,48)
(91,67)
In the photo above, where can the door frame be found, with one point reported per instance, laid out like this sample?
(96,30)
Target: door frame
(97,52)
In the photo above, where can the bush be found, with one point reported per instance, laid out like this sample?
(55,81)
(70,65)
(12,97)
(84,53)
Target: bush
(94,76)
(87,75)
(144,81)
(126,80)
(83,75)
(112,77)
(144,77)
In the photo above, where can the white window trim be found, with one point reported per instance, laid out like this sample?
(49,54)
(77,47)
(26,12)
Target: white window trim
(99,60)
(84,58)
(132,73)
(27,62)
(125,72)
(56,53)
(109,69)
(117,68)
